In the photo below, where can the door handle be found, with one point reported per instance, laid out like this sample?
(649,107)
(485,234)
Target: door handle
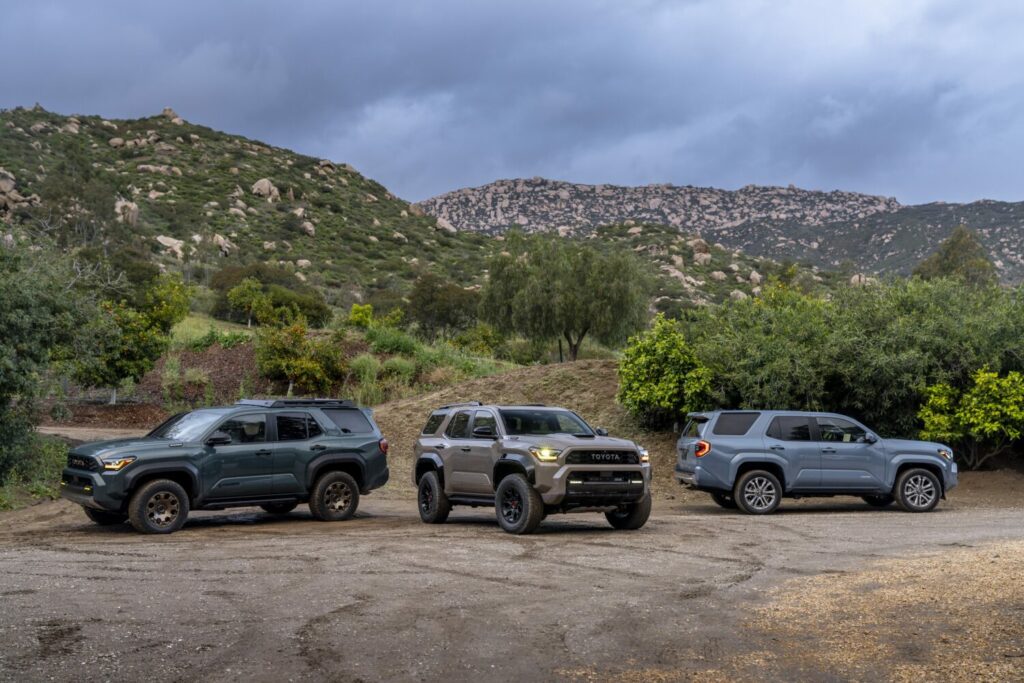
(465,449)
(318,447)
(828,450)
(263,452)
(777,448)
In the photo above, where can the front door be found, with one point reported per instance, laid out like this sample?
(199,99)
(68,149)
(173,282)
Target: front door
(465,474)
(848,462)
(299,439)
(789,437)
(240,469)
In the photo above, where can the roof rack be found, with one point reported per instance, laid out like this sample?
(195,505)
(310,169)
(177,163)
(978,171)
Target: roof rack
(460,405)
(296,402)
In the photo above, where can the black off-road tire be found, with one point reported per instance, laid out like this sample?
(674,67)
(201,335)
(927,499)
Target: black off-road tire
(430,499)
(724,500)
(882,501)
(158,507)
(279,508)
(105,517)
(633,516)
(757,492)
(517,505)
(335,497)
(917,490)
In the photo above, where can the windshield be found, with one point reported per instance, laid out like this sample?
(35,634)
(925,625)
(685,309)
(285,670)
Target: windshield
(526,422)
(187,426)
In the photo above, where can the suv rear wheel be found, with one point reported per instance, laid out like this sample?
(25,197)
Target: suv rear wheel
(918,490)
(433,503)
(158,507)
(518,506)
(724,500)
(279,508)
(105,517)
(632,516)
(335,497)
(757,492)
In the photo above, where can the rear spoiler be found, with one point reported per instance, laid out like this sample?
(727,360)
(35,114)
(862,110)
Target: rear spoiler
(698,417)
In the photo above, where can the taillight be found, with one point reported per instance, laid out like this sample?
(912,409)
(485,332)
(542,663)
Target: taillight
(383,444)
(701,448)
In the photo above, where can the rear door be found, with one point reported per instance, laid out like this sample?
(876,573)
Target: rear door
(299,439)
(789,436)
(241,469)
(847,461)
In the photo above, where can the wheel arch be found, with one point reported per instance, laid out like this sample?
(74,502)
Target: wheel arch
(919,463)
(773,465)
(335,463)
(513,463)
(186,476)
(428,462)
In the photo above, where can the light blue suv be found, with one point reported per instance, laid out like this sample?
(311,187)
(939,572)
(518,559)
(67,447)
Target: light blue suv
(751,459)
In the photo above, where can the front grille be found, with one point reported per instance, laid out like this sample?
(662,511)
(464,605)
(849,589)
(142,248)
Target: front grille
(82,462)
(602,457)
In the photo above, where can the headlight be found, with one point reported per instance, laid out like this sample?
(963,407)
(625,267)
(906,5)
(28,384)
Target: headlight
(116,464)
(644,455)
(945,453)
(545,454)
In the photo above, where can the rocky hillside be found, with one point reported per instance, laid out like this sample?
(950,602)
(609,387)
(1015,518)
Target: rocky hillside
(823,228)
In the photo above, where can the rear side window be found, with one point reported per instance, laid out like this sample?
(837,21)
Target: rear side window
(790,429)
(433,422)
(350,421)
(734,424)
(459,427)
(291,427)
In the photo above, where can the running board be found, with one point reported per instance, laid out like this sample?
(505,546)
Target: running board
(474,501)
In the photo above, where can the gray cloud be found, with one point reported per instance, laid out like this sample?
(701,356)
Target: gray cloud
(918,99)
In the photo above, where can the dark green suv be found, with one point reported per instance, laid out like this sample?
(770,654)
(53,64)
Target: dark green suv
(274,453)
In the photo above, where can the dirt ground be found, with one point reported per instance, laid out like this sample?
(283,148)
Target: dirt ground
(825,590)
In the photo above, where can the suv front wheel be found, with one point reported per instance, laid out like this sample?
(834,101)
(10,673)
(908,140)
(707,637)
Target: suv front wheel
(918,490)
(158,507)
(631,516)
(518,506)
(335,497)
(757,492)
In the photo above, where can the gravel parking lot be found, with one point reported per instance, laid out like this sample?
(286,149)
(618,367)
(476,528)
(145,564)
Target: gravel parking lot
(824,591)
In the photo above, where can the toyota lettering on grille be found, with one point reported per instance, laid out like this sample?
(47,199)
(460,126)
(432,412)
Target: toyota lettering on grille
(80,462)
(606,457)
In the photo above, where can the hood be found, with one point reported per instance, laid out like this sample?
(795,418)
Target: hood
(564,441)
(896,446)
(134,446)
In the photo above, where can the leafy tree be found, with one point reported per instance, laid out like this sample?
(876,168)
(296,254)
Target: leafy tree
(280,285)
(660,377)
(545,288)
(291,353)
(361,315)
(441,307)
(960,256)
(247,296)
(983,421)
(166,302)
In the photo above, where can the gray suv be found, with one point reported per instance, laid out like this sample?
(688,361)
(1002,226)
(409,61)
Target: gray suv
(751,459)
(528,461)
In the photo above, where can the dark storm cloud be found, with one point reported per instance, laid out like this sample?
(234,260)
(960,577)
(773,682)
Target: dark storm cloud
(916,99)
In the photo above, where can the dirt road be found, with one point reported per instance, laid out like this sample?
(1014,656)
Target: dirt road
(823,591)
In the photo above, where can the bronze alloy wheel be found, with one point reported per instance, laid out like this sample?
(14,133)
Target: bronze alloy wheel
(338,496)
(162,509)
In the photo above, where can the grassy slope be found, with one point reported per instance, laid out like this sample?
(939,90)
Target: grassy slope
(587,387)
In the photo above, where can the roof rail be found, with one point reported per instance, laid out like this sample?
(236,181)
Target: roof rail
(460,405)
(296,402)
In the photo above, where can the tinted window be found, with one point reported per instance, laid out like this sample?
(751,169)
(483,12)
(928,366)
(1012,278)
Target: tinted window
(790,429)
(246,429)
(459,427)
(188,426)
(350,421)
(485,419)
(734,424)
(291,427)
(313,429)
(840,430)
(694,428)
(433,422)
(543,421)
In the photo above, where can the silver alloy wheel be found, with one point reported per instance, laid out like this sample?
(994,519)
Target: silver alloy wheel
(759,493)
(338,496)
(919,491)
(163,508)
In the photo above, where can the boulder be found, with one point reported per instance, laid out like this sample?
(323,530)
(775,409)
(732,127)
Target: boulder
(7,181)
(264,188)
(108,124)
(445,224)
(737,295)
(300,276)
(225,245)
(171,245)
(309,228)
(198,239)
(755,278)
(635,231)
(303,263)
(717,275)
(399,237)
(37,128)
(126,211)
(169,113)
(269,246)
(235,211)
(299,212)
(70,127)
(701,258)
(116,142)
(178,121)
(861,280)
(734,267)
(699,246)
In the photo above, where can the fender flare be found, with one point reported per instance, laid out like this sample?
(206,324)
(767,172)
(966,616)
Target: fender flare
(144,470)
(922,459)
(743,459)
(320,461)
(517,462)
(435,462)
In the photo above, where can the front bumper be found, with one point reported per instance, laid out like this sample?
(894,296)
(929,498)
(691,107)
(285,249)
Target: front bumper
(591,485)
(91,489)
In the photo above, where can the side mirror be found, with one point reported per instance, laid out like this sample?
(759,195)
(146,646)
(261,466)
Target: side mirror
(219,438)
(601,431)
(484,432)
(870,438)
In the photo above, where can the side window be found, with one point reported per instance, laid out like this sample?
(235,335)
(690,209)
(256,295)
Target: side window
(350,421)
(485,419)
(433,422)
(839,430)
(734,424)
(790,429)
(246,429)
(313,429)
(291,427)
(459,426)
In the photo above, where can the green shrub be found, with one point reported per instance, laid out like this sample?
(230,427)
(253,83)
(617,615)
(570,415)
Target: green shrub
(365,367)
(36,472)
(391,341)
(660,378)
(402,370)
(360,315)
(482,340)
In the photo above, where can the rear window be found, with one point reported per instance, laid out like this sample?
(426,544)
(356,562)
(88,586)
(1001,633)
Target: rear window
(790,429)
(734,424)
(350,421)
(433,422)
(694,428)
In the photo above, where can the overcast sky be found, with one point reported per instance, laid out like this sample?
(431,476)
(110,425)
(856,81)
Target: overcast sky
(920,99)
